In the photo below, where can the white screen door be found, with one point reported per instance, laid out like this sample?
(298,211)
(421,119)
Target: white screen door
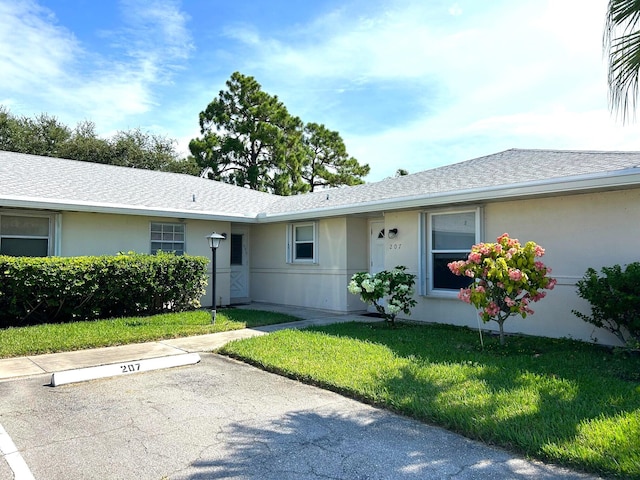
(239,267)
(376,247)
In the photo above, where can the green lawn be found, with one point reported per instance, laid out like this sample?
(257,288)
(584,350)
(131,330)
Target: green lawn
(561,401)
(62,337)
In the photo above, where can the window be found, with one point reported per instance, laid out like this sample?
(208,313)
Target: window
(236,249)
(25,236)
(168,237)
(450,237)
(302,243)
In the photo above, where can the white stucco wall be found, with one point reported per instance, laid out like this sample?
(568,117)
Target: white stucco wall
(342,251)
(100,234)
(577,231)
(104,234)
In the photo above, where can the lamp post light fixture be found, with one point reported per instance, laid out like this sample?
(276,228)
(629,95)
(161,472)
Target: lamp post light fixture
(214,243)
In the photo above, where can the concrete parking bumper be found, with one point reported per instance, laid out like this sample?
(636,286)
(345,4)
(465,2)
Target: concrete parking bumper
(11,368)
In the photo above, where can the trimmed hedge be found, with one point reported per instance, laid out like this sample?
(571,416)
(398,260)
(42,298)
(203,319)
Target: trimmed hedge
(63,289)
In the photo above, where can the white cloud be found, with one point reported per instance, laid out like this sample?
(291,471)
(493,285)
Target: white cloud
(42,61)
(155,31)
(453,79)
(33,49)
(244,33)
(511,74)
(394,45)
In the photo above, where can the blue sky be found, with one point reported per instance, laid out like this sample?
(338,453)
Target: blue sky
(410,84)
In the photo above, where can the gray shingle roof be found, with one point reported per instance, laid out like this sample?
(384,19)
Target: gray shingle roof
(511,167)
(75,182)
(31,178)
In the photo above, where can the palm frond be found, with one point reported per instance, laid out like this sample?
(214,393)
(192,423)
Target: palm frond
(621,42)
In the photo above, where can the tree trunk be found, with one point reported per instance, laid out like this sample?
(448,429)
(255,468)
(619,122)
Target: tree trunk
(388,318)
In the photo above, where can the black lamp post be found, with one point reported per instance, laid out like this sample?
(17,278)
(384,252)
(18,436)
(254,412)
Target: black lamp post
(214,243)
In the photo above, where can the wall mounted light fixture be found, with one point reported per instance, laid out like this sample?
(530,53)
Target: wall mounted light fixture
(393,232)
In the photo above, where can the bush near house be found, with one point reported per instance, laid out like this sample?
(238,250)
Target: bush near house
(390,292)
(615,301)
(62,289)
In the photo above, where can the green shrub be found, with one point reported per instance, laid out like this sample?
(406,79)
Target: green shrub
(61,289)
(390,292)
(615,301)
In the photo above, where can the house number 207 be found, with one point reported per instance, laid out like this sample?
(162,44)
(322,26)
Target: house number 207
(130,367)
(395,246)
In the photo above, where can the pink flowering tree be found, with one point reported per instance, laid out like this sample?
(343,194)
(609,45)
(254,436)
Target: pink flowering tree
(506,279)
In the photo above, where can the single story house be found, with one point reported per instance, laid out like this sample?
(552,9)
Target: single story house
(583,207)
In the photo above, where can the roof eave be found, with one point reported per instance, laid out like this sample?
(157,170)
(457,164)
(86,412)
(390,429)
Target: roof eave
(567,185)
(91,207)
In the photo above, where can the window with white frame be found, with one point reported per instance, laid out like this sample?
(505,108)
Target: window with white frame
(302,243)
(168,237)
(450,236)
(25,235)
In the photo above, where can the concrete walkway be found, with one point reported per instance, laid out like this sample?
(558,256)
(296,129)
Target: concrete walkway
(11,368)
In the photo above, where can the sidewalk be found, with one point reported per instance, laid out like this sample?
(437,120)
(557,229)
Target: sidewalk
(11,368)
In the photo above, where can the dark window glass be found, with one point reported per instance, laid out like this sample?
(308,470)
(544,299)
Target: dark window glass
(442,276)
(236,249)
(304,251)
(24,247)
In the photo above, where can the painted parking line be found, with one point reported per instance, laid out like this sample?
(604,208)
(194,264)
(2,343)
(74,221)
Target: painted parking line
(124,368)
(12,456)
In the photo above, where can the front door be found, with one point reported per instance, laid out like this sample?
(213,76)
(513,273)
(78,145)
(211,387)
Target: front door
(376,247)
(239,266)
(376,252)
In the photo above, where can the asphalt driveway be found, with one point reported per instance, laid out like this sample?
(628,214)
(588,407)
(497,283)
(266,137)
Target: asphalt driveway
(224,419)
